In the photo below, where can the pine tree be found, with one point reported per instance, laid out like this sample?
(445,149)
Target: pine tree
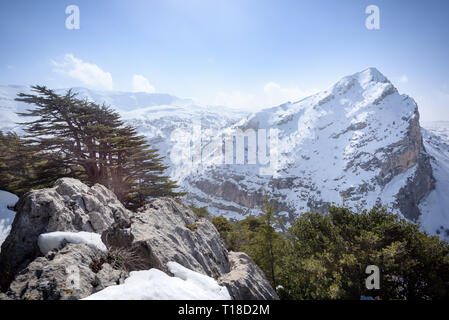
(265,244)
(18,164)
(94,145)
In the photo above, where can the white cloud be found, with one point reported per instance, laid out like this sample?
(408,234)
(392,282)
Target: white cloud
(88,73)
(272,94)
(141,84)
(275,94)
(403,79)
(235,99)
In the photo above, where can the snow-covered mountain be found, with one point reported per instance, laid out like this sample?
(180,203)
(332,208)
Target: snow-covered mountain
(359,143)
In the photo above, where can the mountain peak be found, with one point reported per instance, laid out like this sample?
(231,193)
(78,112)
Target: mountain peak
(369,79)
(370,75)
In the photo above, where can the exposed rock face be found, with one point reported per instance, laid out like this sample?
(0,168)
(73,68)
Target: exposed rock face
(69,206)
(411,153)
(167,231)
(64,274)
(417,188)
(163,231)
(246,281)
(402,155)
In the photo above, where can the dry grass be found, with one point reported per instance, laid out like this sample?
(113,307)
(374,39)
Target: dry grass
(125,258)
(120,258)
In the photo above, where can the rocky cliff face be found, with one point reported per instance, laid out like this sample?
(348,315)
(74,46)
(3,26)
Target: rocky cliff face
(163,231)
(404,155)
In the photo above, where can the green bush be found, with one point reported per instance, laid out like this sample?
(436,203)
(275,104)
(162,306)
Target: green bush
(326,257)
(200,212)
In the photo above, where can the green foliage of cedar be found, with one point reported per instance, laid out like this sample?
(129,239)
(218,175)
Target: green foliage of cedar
(75,137)
(325,256)
(23,167)
(223,226)
(265,245)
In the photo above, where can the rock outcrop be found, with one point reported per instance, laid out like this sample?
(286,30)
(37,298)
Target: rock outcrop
(167,230)
(72,272)
(413,154)
(243,282)
(69,206)
(162,231)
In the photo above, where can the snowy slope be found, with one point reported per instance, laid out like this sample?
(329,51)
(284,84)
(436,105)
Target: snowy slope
(7,200)
(435,207)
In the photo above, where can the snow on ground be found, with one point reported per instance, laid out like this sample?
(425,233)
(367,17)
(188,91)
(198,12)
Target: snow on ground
(6,215)
(154,284)
(53,240)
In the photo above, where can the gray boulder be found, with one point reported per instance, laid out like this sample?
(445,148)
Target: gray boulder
(246,281)
(69,206)
(166,230)
(73,272)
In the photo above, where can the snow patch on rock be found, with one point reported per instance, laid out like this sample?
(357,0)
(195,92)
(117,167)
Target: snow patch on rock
(53,240)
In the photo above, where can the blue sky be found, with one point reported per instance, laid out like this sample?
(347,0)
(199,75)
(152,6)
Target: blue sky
(240,53)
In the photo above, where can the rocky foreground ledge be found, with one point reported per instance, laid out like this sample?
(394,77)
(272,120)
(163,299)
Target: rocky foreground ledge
(165,230)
